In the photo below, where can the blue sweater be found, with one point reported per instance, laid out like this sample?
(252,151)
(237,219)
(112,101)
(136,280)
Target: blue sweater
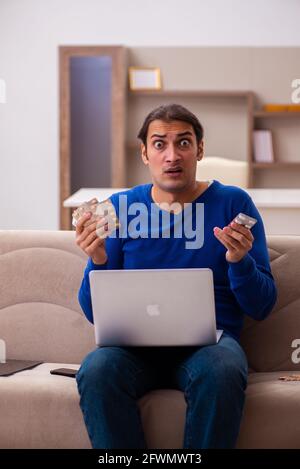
(244,287)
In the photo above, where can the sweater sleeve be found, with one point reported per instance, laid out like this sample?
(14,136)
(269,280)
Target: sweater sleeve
(114,261)
(251,280)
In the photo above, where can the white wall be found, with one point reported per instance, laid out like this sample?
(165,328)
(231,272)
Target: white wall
(31,30)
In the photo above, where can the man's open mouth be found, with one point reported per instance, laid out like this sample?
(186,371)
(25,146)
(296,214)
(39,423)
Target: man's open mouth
(173,171)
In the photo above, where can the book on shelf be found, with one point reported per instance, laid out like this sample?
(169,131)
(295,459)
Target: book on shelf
(263,151)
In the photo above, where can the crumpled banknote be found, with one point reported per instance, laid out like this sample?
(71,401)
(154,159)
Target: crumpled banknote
(98,209)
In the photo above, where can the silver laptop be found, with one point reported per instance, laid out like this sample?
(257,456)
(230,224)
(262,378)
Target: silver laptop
(154,307)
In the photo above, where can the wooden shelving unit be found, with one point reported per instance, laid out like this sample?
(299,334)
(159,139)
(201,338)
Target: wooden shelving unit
(278,117)
(253,118)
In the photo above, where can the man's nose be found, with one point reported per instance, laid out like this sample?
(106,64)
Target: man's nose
(171,154)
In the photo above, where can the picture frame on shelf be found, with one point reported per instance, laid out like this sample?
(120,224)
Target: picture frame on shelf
(144,79)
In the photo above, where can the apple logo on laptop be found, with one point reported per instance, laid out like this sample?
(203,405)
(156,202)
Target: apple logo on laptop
(153,310)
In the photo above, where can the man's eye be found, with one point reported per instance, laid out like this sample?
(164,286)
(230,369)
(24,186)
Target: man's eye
(158,144)
(184,142)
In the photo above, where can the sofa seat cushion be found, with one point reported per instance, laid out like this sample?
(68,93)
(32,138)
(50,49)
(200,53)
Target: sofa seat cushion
(163,416)
(272,412)
(40,410)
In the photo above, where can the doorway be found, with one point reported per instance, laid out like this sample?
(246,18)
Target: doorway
(92,120)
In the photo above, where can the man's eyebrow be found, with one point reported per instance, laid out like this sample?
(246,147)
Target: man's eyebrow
(157,135)
(178,135)
(185,133)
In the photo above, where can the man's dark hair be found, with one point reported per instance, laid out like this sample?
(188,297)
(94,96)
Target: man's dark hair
(168,113)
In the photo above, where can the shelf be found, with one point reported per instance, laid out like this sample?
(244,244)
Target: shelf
(287,114)
(280,164)
(194,93)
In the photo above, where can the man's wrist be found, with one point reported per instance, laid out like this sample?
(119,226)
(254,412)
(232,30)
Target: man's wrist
(97,262)
(243,267)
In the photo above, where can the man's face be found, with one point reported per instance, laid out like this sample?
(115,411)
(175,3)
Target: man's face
(171,154)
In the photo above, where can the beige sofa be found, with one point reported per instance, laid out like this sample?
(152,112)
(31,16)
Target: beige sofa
(40,319)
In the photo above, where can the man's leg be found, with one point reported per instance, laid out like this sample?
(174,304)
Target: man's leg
(110,381)
(213,379)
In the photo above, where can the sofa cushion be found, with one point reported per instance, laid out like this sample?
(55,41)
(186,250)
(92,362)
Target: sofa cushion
(272,412)
(40,410)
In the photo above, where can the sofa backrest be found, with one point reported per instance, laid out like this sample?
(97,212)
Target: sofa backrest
(41,319)
(268,343)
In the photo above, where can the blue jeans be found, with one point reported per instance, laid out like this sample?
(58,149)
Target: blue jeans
(213,379)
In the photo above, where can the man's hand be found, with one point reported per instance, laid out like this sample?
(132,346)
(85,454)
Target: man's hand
(88,240)
(236,238)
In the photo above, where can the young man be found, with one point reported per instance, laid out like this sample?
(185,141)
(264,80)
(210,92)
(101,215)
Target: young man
(213,378)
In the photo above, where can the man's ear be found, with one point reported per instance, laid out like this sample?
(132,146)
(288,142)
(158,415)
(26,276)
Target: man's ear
(144,154)
(200,150)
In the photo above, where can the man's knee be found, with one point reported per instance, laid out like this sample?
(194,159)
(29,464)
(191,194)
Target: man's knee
(228,371)
(222,368)
(103,366)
